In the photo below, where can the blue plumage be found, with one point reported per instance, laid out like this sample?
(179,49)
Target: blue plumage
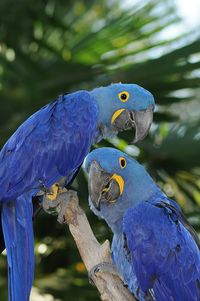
(49,146)
(163,253)
(154,248)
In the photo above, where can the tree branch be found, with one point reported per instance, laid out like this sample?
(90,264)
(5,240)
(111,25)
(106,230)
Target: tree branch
(110,286)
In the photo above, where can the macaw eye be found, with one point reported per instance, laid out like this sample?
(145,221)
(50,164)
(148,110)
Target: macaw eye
(123,96)
(122,162)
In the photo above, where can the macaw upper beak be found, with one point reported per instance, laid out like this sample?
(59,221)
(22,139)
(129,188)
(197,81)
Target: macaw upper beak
(124,119)
(103,186)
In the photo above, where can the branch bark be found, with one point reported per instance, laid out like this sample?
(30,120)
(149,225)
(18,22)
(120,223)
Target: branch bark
(110,286)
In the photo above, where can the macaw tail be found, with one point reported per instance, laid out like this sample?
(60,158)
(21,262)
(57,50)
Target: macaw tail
(19,241)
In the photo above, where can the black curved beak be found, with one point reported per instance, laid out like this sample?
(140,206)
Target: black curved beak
(140,120)
(101,186)
(143,121)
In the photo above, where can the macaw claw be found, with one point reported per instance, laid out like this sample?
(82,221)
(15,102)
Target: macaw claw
(51,200)
(102,267)
(59,205)
(53,192)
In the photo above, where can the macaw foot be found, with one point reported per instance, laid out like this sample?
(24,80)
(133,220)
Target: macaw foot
(53,192)
(103,267)
(51,200)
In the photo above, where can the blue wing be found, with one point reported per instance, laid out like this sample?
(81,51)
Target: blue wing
(164,254)
(51,144)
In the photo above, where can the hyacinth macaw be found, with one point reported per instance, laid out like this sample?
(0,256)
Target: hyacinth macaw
(154,249)
(47,150)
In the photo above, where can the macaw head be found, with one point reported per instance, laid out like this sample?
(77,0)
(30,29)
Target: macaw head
(124,107)
(116,182)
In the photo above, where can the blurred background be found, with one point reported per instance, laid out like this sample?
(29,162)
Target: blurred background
(48,47)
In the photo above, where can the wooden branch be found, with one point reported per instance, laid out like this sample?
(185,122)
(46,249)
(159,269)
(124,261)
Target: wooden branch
(110,286)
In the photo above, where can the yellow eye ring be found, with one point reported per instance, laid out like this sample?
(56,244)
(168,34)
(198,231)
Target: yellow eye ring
(122,162)
(123,96)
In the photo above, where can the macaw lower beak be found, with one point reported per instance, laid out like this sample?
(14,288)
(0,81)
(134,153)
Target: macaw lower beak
(125,119)
(103,186)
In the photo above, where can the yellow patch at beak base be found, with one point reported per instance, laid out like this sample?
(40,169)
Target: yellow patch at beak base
(116,114)
(120,182)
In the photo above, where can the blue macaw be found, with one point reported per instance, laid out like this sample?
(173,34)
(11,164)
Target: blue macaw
(154,248)
(48,149)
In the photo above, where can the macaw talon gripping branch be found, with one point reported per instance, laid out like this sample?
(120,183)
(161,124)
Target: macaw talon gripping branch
(53,192)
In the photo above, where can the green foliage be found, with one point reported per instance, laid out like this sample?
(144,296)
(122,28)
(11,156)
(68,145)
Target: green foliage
(49,47)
